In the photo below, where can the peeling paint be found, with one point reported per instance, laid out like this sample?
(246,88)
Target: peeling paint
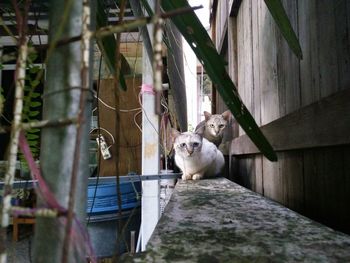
(150,150)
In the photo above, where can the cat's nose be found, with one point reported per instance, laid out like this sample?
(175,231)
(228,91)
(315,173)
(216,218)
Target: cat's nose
(190,151)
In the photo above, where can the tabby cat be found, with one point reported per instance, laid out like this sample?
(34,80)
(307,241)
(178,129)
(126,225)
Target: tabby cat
(196,156)
(215,125)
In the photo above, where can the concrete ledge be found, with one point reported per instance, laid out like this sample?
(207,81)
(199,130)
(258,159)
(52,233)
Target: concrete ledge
(219,221)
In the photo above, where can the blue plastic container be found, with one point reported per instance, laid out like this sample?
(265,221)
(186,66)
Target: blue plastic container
(103,198)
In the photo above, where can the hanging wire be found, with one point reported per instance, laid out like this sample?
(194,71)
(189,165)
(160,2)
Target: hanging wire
(99,134)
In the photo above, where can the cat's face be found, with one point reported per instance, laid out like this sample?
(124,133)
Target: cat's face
(216,123)
(187,144)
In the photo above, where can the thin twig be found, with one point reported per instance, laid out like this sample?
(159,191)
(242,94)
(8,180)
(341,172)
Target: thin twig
(34,212)
(48,123)
(8,31)
(15,128)
(122,26)
(55,92)
(41,124)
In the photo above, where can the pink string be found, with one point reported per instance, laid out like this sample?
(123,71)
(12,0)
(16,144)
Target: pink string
(44,190)
(146,88)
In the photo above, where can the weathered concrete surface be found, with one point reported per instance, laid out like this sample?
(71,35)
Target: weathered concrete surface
(218,221)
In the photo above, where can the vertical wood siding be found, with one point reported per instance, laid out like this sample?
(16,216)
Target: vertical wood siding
(273,83)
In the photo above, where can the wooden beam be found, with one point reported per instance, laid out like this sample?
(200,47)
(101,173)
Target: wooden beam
(324,123)
(234,7)
(222,45)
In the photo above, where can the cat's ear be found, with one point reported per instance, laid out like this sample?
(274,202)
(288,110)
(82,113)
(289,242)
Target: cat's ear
(207,115)
(226,115)
(174,133)
(200,130)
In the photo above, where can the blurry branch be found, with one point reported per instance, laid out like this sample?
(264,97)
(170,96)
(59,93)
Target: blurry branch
(8,31)
(43,212)
(20,75)
(41,124)
(124,26)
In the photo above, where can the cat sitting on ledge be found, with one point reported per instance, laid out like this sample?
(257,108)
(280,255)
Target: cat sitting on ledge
(196,156)
(214,126)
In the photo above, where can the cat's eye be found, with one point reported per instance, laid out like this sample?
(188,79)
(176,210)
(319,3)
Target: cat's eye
(195,144)
(182,145)
(212,126)
(221,126)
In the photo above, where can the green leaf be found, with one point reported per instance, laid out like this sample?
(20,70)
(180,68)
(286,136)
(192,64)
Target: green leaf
(32,142)
(279,15)
(35,95)
(33,149)
(198,38)
(34,113)
(34,83)
(32,56)
(35,104)
(31,136)
(34,130)
(34,69)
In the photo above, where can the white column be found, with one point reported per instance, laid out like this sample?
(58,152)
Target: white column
(150,209)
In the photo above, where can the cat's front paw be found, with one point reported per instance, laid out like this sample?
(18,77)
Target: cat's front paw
(186,177)
(197,176)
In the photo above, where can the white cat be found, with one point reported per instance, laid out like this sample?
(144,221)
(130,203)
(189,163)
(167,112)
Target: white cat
(196,156)
(215,126)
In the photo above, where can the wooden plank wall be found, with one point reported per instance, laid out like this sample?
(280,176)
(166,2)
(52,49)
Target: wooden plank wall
(130,136)
(273,83)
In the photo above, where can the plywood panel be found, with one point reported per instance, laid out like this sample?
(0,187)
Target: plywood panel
(107,121)
(130,136)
